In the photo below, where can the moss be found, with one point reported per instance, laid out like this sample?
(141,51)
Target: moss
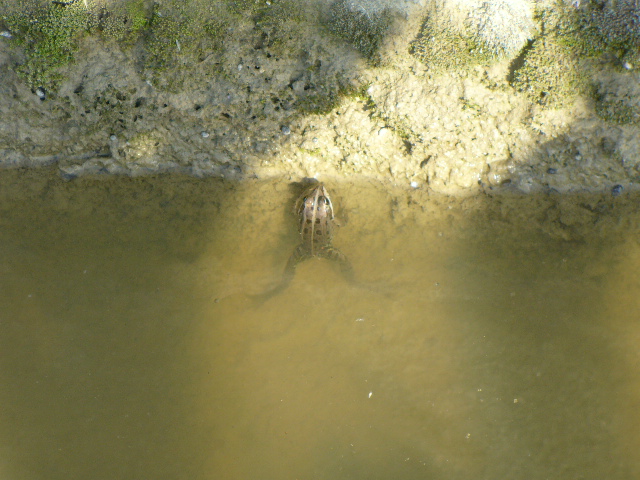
(476,35)
(123,22)
(442,46)
(243,7)
(324,98)
(365,31)
(595,29)
(551,74)
(616,111)
(572,28)
(49,36)
(617,100)
(177,35)
(555,68)
(164,39)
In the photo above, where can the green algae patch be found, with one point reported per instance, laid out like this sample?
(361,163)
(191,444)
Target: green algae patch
(442,47)
(363,30)
(326,97)
(50,34)
(492,32)
(123,22)
(551,74)
(557,66)
(50,38)
(617,99)
(180,31)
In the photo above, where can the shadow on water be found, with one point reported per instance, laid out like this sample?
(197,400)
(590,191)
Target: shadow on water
(488,337)
(94,322)
(543,345)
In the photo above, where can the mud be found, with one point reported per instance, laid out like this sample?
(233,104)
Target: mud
(281,95)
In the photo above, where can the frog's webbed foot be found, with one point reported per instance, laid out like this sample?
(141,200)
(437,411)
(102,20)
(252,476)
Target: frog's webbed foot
(300,254)
(340,258)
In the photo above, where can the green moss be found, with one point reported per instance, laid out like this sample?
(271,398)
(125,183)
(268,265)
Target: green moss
(551,74)
(617,101)
(364,31)
(323,99)
(595,30)
(177,35)
(616,111)
(137,13)
(443,46)
(573,29)
(123,22)
(165,39)
(556,69)
(49,36)
(243,7)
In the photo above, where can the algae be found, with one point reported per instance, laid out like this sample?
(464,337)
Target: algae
(49,36)
(363,30)
(485,33)
(551,74)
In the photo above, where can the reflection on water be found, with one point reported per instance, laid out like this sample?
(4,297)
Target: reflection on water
(488,338)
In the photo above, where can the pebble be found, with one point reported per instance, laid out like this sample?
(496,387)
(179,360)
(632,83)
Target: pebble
(5,34)
(41,93)
(414,184)
(552,171)
(204,134)
(617,190)
(286,130)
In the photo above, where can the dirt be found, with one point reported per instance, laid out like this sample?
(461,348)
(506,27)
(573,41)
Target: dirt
(314,105)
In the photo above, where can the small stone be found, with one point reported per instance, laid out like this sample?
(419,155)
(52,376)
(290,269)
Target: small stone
(617,190)
(414,184)
(627,66)
(113,138)
(286,130)
(41,93)
(204,134)
(5,34)
(552,171)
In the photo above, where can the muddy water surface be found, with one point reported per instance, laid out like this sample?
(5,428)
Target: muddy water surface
(486,338)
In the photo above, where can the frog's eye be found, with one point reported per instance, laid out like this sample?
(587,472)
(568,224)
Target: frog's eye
(326,201)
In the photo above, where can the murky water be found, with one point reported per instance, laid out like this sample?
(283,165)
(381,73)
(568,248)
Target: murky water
(489,338)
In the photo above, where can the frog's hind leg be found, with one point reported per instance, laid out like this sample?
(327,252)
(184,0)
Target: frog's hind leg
(336,255)
(300,254)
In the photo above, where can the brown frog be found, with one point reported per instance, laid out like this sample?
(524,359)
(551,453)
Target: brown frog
(316,222)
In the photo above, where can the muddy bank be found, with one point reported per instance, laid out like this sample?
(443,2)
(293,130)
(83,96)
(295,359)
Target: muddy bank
(453,97)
